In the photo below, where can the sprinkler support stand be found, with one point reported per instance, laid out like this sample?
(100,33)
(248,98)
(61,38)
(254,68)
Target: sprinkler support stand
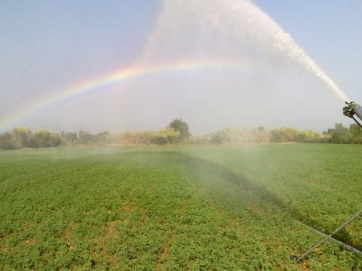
(359,124)
(300,258)
(341,244)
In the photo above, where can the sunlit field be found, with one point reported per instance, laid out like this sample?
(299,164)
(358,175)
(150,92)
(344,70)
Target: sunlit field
(184,207)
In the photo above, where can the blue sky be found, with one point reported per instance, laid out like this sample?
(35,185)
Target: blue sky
(55,41)
(47,46)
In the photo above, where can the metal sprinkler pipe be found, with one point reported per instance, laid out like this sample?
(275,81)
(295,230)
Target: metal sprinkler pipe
(300,258)
(341,244)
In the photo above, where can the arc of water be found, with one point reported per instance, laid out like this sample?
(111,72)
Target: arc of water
(237,18)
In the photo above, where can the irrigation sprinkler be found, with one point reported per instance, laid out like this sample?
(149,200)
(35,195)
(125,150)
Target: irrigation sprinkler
(351,110)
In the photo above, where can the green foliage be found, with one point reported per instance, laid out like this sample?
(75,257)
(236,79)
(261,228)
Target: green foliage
(68,137)
(285,134)
(134,137)
(195,207)
(288,134)
(7,142)
(178,131)
(310,136)
(21,137)
(343,135)
(44,139)
(164,136)
(227,135)
(103,138)
(217,138)
(356,133)
(261,135)
(85,137)
(182,127)
(158,137)
(340,134)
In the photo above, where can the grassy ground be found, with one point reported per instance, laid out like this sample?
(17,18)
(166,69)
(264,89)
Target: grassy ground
(178,207)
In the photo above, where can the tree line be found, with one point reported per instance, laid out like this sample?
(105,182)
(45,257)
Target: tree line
(21,137)
(262,135)
(177,132)
(338,134)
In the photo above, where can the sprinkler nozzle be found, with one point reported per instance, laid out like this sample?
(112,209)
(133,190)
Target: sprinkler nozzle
(352,109)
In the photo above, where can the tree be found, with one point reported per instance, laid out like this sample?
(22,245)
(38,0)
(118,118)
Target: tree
(356,133)
(85,137)
(341,134)
(103,137)
(309,136)
(21,137)
(7,142)
(165,136)
(68,137)
(44,139)
(182,127)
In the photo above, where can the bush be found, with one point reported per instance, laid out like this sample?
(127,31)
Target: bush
(6,142)
(227,135)
(45,139)
(159,137)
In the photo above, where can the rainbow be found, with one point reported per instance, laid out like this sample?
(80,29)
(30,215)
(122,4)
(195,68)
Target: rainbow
(132,72)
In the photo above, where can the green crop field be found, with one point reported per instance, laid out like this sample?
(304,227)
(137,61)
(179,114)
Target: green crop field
(191,207)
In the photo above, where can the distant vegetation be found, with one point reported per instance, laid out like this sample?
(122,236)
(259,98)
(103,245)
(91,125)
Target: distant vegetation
(177,132)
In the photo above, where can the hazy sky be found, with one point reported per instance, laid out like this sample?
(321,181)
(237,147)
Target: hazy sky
(204,61)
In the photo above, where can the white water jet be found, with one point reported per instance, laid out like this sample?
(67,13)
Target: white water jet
(272,33)
(239,19)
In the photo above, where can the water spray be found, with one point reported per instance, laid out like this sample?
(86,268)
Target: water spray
(351,110)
